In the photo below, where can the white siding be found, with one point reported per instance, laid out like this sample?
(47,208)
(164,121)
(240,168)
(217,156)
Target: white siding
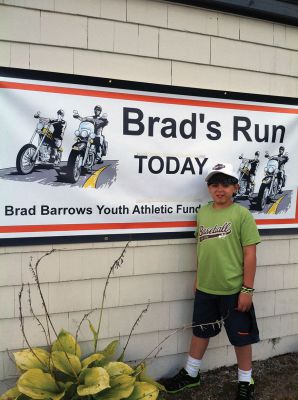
(145,41)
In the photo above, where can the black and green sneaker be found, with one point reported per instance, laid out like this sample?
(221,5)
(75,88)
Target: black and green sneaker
(246,390)
(180,381)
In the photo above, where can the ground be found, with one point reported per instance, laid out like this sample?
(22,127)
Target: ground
(275,379)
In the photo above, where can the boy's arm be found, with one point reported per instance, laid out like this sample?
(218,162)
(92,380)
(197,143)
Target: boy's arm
(249,271)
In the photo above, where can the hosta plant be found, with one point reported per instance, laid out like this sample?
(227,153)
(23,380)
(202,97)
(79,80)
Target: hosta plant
(60,372)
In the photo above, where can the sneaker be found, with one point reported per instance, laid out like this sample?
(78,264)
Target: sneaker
(180,381)
(245,390)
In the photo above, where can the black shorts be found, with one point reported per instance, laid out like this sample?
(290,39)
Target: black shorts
(241,327)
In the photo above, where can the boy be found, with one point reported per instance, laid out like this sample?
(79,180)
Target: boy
(227,238)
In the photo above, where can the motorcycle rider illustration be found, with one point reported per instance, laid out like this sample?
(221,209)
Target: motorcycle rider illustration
(282,158)
(247,172)
(55,141)
(99,121)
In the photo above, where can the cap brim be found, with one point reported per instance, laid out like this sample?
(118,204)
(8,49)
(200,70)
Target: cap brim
(209,176)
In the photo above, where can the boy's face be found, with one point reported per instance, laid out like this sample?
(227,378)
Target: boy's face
(222,193)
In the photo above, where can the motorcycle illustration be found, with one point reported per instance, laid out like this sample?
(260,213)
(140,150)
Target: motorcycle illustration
(247,171)
(245,186)
(83,151)
(269,186)
(48,150)
(99,121)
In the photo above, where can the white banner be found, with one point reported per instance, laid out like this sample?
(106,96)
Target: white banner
(91,160)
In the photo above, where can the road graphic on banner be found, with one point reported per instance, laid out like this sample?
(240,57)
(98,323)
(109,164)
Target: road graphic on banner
(92,181)
(275,206)
(101,175)
(279,205)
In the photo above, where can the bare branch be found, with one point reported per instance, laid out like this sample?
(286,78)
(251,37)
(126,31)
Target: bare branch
(21,318)
(85,316)
(114,267)
(10,357)
(202,326)
(34,270)
(133,328)
(48,340)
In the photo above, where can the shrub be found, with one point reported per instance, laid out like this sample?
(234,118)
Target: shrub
(60,372)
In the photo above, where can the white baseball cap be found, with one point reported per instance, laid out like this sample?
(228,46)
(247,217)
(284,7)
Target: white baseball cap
(222,168)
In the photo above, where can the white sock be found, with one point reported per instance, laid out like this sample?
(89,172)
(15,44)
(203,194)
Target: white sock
(192,366)
(244,376)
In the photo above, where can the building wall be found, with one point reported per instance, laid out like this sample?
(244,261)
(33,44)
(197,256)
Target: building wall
(156,42)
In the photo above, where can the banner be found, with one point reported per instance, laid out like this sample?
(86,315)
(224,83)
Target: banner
(110,158)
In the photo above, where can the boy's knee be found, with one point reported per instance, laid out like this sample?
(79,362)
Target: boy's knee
(206,332)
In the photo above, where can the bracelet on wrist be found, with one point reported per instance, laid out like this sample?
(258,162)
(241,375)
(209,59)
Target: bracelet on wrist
(247,290)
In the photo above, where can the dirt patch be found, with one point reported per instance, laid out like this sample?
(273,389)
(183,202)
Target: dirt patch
(275,379)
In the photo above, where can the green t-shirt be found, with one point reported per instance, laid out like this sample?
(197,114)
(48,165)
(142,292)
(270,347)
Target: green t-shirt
(222,234)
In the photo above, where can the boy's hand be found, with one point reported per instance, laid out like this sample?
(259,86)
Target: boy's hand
(244,302)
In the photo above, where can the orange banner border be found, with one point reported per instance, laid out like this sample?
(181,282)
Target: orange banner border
(144,98)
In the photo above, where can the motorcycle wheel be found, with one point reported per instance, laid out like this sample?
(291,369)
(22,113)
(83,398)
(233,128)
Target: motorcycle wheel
(90,161)
(58,159)
(242,188)
(24,162)
(262,198)
(74,166)
(251,189)
(275,188)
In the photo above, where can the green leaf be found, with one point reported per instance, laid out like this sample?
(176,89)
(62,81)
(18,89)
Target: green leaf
(37,358)
(121,388)
(67,363)
(110,349)
(138,370)
(92,329)
(11,394)
(144,391)
(66,342)
(115,368)
(39,385)
(122,380)
(62,377)
(94,357)
(94,381)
